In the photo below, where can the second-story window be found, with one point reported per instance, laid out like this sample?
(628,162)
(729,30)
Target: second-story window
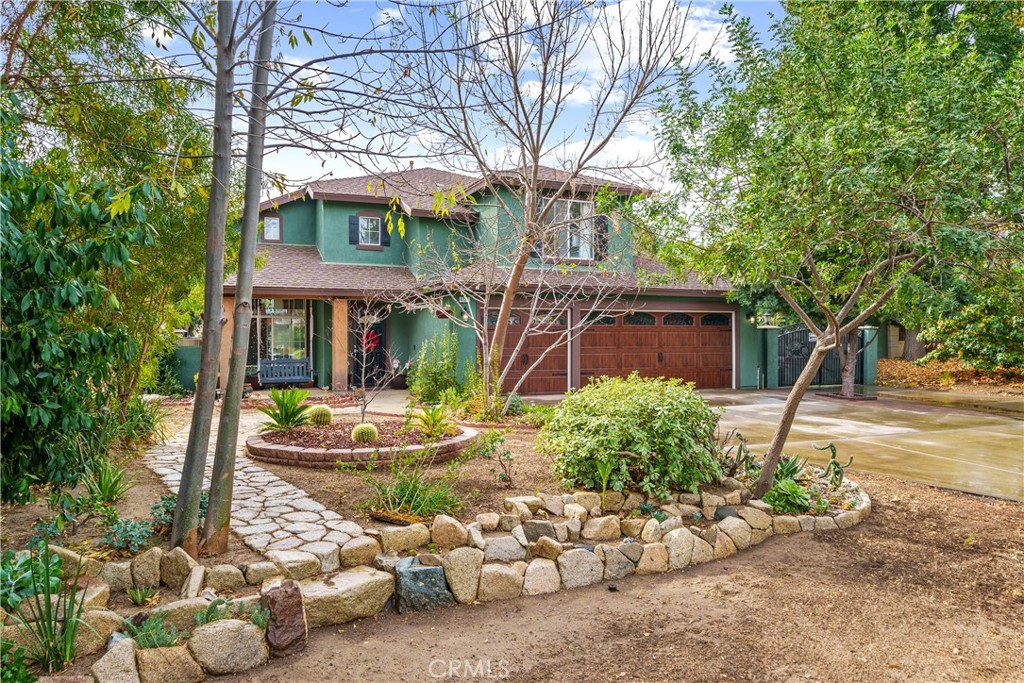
(571,228)
(271,228)
(369,231)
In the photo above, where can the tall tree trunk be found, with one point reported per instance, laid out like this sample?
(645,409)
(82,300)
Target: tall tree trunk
(218,514)
(796,394)
(185,531)
(848,369)
(508,297)
(913,347)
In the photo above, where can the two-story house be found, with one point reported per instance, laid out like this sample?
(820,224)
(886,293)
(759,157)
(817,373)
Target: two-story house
(327,244)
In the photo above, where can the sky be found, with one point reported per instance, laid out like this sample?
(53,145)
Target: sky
(370,19)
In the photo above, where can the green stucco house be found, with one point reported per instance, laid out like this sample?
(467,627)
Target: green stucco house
(327,245)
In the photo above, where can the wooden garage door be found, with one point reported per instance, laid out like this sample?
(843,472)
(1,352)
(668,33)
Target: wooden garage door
(552,375)
(695,347)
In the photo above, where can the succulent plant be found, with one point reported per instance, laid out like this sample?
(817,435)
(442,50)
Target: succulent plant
(364,433)
(320,415)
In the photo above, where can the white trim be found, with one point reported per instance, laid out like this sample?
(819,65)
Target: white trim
(380,230)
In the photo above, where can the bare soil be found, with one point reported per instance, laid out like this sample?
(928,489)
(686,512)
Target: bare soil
(347,493)
(339,435)
(927,589)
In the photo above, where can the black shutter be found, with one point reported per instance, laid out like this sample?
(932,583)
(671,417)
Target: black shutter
(353,229)
(601,238)
(385,234)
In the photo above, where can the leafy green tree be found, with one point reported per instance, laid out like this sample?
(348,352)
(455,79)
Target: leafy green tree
(986,334)
(60,241)
(872,140)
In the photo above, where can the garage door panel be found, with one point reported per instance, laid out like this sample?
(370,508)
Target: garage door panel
(551,376)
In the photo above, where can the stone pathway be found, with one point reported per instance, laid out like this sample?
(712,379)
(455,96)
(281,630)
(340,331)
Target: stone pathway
(267,512)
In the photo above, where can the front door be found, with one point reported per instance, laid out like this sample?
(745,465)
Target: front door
(369,345)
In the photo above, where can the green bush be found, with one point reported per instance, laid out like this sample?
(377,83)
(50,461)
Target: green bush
(320,415)
(287,413)
(786,495)
(658,435)
(163,510)
(514,405)
(433,423)
(364,433)
(128,535)
(19,573)
(215,611)
(152,632)
(107,482)
(435,369)
(12,664)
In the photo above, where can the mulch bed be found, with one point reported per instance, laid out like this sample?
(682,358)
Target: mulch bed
(339,435)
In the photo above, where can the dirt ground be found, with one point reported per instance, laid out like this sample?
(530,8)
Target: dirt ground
(929,588)
(346,492)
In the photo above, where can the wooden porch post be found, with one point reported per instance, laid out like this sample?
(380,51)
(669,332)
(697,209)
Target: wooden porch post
(225,341)
(339,344)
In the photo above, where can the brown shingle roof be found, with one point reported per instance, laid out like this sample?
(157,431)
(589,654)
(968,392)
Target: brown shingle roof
(299,271)
(549,178)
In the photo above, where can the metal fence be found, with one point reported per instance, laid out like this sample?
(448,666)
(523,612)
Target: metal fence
(795,344)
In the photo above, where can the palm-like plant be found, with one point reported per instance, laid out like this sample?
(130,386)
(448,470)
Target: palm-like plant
(287,413)
(107,481)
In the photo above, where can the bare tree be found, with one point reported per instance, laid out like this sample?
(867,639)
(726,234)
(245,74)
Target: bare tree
(505,110)
(375,366)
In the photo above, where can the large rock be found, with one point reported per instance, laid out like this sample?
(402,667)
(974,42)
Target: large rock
(845,520)
(95,630)
(117,575)
(295,564)
(348,595)
(702,551)
(573,527)
(324,551)
(616,565)
(613,501)
(117,665)
(448,532)
(825,524)
(535,529)
(193,584)
(724,547)
(97,593)
(168,665)
(785,524)
(228,646)
(476,537)
(419,587)
(579,567)
(631,550)
(504,549)
(553,504)
(738,531)
(181,614)
(462,570)
(541,577)
(601,529)
(806,522)
(546,547)
(225,577)
(588,499)
(287,631)
(90,565)
(402,538)
(175,567)
(651,532)
(532,503)
(146,568)
(488,521)
(654,559)
(499,582)
(361,550)
(575,511)
(632,526)
(679,543)
(755,518)
(670,524)
(256,572)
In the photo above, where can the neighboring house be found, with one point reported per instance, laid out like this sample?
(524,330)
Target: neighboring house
(327,244)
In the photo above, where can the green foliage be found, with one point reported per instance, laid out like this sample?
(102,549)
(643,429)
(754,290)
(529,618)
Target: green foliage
(220,608)
(152,632)
(260,616)
(604,470)
(128,535)
(657,434)
(19,574)
(514,405)
(163,510)
(987,334)
(54,614)
(107,482)
(786,495)
(12,664)
(834,470)
(60,244)
(433,423)
(141,595)
(537,415)
(320,415)
(364,433)
(411,489)
(790,467)
(166,382)
(491,445)
(288,412)
(435,369)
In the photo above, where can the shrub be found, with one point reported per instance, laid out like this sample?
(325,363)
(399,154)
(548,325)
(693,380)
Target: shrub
(514,405)
(788,496)
(163,510)
(12,664)
(658,435)
(260,616)
(19,574)
(107,482)
(152,632)
(433,423)
(216,610)
(364,433)
(320,415)
(537,415)
(436,368)
(411,490)
(287,413)
(128,535)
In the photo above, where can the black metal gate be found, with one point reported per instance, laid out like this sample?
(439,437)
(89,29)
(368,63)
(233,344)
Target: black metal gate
(795,344)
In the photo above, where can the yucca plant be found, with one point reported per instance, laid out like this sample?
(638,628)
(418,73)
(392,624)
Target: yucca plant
(107,481)
(433,423)
(287,413)
(54,615)
(142,595)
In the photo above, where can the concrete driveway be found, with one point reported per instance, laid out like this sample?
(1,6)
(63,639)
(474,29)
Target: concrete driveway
(955,448)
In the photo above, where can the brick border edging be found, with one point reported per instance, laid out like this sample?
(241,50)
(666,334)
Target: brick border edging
(327,458)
